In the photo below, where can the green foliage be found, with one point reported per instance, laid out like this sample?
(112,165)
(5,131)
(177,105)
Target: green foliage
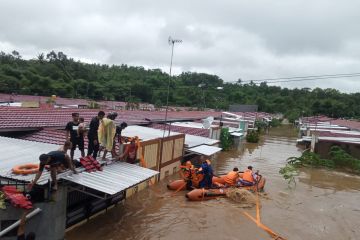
(344,159)
(338,159)
(252,136)
(275,122)
(225,139)
(310,159)
(260,125)
(289,172)
(56,73)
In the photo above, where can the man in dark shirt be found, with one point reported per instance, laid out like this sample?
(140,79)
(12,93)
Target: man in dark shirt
(119,129)
(93,144)
(21,229)
(53,159)
(77,139)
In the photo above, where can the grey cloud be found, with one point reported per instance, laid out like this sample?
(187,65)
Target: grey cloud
(249,39)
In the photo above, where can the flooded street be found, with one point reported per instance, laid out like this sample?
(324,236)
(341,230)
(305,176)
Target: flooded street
(324,205)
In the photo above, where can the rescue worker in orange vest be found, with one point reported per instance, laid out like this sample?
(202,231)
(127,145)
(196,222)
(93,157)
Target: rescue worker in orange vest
(130,153)
(187,172)
(249,177)
(232,177)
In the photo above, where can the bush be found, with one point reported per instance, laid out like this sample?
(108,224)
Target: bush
(338,158)
(289,172)
(260,125)
(310,159)
(225,139)
(253,136)
(343,159)
(275,122)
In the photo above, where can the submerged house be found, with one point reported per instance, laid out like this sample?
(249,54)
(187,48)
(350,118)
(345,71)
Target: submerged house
(320,136)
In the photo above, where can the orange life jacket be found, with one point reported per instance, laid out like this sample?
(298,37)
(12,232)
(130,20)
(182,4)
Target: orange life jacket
(248,176)
(188,171)
(132,151)
(231,178)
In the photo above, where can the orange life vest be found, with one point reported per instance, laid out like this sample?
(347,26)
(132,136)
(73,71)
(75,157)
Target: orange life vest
(132,151)
(248,176)
(188,171)
(231,177)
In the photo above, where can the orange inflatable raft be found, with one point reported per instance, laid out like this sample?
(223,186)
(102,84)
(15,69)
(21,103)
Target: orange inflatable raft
(208,194)
(181,184)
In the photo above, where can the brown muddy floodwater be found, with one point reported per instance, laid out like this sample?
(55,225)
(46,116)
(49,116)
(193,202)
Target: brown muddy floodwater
(324,205)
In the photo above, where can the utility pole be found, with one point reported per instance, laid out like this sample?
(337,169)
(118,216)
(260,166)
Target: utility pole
(172,43)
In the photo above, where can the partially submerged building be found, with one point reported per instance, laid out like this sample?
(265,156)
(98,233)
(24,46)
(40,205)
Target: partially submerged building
(321,133)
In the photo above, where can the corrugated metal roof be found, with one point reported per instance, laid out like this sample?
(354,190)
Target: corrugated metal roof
(145,133)
(114,178)
(205,150)
(186,130)
(16,151)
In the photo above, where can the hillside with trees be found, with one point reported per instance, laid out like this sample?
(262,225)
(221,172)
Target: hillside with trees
(55,73)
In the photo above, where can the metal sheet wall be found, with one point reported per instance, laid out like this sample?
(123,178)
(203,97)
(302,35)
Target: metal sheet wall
(178,147)
(167,151)
(151,155)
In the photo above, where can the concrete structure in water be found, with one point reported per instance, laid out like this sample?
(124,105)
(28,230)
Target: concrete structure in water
(320,134)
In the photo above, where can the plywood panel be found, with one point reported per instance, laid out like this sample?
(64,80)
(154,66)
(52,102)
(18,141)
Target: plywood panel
(151,155)
(167,151)
(178,147)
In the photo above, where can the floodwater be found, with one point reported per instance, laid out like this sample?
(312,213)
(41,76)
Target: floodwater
(324,204)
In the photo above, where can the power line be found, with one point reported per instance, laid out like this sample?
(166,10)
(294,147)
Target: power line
(312,77)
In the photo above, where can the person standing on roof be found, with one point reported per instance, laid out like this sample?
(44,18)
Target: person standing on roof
(93,140)
(119,129)
(21,229)
(72,135)
(54,159)
(106,133)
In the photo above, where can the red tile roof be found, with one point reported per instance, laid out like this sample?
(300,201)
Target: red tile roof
(52,136)
(353,125)
(18,117)
(336,134)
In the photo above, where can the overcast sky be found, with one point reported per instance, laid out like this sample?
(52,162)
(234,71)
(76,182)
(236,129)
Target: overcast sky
(232,39)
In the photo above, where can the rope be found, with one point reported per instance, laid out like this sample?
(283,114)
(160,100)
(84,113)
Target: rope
(265,228)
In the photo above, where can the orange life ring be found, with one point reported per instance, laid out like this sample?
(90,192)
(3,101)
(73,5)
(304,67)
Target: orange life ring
(25,169)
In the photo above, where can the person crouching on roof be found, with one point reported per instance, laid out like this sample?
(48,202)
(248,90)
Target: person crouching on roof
(130,153)
(106,133)
(53,159)
(207,171)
